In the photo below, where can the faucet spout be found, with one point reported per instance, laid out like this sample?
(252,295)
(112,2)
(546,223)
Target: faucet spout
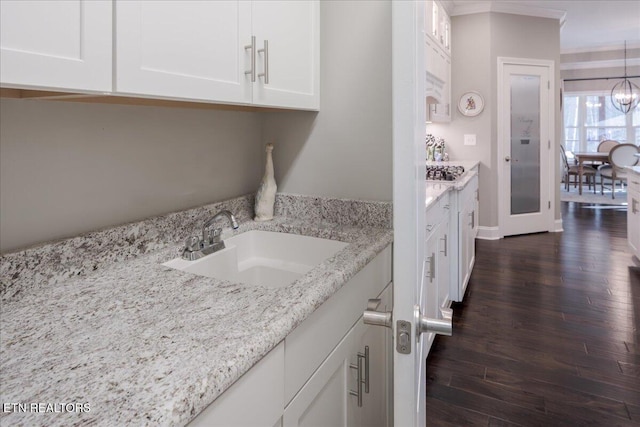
(211,242)
(209,223)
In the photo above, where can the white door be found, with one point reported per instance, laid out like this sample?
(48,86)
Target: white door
(525,142)
(288,53)
(184,49)
(409,201)
(56,45)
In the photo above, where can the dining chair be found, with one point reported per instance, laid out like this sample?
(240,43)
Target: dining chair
(606,145)
(573,170)
(620,156)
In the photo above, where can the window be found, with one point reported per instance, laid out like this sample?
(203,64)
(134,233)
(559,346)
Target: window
(591,118)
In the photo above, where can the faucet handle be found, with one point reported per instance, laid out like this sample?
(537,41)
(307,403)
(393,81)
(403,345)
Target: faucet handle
(193,243)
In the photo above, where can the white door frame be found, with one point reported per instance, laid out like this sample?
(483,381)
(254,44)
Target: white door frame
(503,200)
(409,197)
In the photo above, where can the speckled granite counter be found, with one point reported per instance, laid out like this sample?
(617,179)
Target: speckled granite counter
(143,344)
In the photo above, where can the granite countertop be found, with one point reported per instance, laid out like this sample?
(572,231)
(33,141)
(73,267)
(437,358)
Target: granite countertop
(143,344)
(436,189)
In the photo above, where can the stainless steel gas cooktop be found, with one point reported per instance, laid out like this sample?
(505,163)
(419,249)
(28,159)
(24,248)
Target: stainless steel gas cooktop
(444,173)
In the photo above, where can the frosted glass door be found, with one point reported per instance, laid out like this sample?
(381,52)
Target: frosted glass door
(525,117)
(525,144)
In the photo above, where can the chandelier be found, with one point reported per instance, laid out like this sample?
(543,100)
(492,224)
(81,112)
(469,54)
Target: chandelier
(625,95)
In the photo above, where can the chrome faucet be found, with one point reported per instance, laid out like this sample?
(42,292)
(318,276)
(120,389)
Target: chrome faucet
(196,248)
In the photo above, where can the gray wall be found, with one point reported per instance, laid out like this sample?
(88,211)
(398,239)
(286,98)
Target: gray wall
(345,150)
(67,168)
(477,41)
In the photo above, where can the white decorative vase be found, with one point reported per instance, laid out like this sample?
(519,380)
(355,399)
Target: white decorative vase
(266,197)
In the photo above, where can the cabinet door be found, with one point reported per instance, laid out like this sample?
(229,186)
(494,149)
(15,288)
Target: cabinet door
(326,399)
(633,219)
(376,403)
(184,49)
(429,296)
(56,45)
(291,29)
(444,259)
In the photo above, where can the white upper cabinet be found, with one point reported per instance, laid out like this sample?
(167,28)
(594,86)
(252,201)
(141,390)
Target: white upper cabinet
(184,49)
(57,45)
(438,62)
(262,53)
(291,32)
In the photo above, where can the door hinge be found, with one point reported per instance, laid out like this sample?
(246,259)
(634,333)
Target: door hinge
(549,204)
(548,84)
(549,145)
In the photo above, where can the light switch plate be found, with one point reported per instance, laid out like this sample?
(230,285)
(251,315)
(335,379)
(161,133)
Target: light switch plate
(470,139)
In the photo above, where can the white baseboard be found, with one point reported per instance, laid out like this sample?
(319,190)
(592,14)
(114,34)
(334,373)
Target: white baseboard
(557,226)
(488,233)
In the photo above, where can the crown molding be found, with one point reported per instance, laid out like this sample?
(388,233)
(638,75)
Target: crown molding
(615,63)
(602,48)
(468,8)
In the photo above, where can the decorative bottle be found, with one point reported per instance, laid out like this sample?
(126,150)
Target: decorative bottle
(266,196)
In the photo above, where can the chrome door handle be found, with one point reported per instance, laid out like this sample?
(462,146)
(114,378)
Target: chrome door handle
(252,71)
(439,326)
(265,51)
(373,317)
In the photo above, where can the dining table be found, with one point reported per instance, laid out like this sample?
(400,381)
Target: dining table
(593,156)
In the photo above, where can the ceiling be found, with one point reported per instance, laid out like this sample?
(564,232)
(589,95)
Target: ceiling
(588,24)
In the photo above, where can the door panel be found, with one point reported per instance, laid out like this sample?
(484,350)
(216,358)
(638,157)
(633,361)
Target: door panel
(56,45)
(525,141)
(184,49)
(409,197)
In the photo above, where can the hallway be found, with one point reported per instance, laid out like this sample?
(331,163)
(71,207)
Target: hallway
(548,332)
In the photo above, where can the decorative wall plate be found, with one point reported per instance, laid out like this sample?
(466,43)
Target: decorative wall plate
(471,104)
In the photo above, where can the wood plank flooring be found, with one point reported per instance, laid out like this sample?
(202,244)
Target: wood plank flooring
(548,333)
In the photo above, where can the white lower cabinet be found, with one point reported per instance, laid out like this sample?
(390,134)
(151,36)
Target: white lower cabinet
(260,390)
(438,261)
(306,380)
(633,213)
(333,397)
(466,224)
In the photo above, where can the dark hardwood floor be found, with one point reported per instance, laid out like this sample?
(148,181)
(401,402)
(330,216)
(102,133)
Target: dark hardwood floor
(548,333)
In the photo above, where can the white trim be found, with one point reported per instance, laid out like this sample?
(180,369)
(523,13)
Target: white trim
(611,63)
(488,233)
(461,8)
(502,61)
(601,48)
(557,226)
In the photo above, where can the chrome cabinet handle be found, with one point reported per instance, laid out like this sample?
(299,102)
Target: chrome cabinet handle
(252,71)
(365,355)
(359,367)
(432,267)
(265,51)
(444,239)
